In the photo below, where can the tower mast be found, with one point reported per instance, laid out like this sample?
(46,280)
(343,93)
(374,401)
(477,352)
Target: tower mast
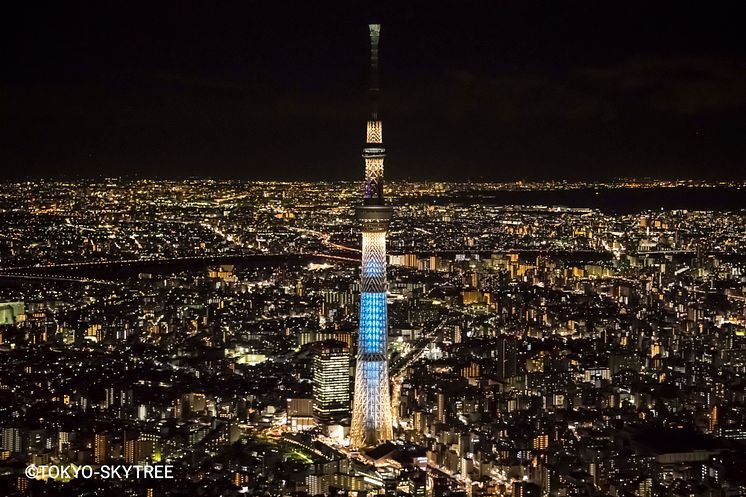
(371,412)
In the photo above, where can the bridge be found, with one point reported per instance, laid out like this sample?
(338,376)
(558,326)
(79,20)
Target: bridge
(49,277)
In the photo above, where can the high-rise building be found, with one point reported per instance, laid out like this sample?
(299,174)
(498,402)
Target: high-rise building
(143,448)
(100,448)
(331,381)
(507,356)
(371,413)
(63,441)
(12,439)
(441,413)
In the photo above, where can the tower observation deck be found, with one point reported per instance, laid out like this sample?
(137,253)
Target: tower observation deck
(371,411)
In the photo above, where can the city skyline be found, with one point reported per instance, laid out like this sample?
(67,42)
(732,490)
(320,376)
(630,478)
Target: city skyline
(547,298)
(534,348)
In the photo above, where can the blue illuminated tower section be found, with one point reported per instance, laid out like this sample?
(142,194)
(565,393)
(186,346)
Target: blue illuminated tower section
(371,412)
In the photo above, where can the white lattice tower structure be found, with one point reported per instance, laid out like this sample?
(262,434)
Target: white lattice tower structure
(371,410)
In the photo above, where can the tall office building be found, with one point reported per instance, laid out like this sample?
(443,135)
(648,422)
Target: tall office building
(12,439)
(100,448)
(507,356)
(371,413)
(331,381)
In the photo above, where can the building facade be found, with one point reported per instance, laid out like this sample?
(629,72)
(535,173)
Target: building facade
(331,381)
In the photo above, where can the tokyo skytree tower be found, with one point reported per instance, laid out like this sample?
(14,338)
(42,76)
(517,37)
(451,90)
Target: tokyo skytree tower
(371,412)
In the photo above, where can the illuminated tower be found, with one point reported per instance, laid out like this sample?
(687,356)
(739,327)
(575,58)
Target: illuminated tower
(371,412)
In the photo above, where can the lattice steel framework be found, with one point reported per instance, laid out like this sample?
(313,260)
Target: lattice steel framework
(373,177)
(374,134)
(371,411)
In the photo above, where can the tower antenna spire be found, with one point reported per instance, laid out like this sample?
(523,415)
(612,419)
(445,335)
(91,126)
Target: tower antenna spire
(374,87)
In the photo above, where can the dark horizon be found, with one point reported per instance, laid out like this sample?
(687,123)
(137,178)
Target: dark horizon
(267,92)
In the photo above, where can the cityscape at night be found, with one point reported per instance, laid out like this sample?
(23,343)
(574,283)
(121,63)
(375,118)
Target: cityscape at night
(532,348)
(274,318)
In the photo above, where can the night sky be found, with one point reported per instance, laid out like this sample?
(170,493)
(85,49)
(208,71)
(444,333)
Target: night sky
(495,90)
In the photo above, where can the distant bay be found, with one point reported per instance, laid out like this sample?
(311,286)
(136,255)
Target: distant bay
(613,200)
